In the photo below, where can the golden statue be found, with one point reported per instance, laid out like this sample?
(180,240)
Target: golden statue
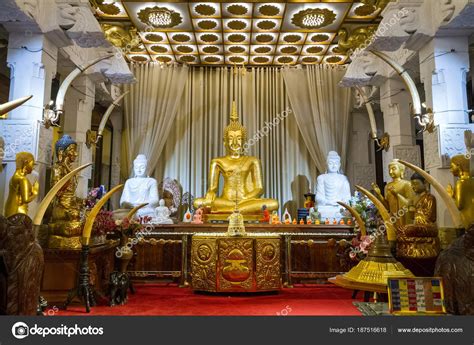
(399,194)
(66,223)
(243,182)
(463,192)
(21,192)
(418,243)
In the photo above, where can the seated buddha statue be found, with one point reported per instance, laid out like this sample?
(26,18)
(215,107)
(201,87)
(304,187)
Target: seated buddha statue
(66,223)
(417,243)
(139,189)
(242,174)
(332,187)
(162,214)
(463,191)
(21,192)
(398,194)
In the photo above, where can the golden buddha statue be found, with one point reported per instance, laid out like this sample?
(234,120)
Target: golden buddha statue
(463,192)
(242,179)
(398,195)
(66,223)
(418,243)
(21,192)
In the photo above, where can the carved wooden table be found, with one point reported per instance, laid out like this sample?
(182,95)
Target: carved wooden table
(222,263)
(62,269)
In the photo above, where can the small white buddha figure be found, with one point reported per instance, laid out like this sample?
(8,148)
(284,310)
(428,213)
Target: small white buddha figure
(140,189)
(331,188)
(162,214)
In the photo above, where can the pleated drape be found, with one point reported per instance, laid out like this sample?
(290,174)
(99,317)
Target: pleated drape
(150,111)
(321,108)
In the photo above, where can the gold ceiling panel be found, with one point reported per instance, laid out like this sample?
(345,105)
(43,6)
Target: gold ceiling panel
(242,33)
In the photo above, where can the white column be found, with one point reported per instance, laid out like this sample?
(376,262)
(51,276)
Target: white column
(395,103)
(32,59)
(79,103)
(444,63)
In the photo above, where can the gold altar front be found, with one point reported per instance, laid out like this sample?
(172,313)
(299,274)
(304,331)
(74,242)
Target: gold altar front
(222,263)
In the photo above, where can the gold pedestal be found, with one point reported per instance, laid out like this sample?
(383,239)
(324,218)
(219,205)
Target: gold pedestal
(372,273)
(224,217)
(221,263)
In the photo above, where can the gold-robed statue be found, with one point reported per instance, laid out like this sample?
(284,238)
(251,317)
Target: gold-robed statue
(398,195)
(463,191)
(66,224)
(418,244)
(21,192)
(243,182)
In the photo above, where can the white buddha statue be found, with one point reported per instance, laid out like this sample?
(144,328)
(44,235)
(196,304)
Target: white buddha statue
(331,188)
(162,214)
(139,189)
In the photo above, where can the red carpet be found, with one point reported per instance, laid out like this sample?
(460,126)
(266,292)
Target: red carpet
(154,299)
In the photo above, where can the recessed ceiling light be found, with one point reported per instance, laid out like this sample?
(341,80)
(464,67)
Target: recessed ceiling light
(212,59)
(205,10)
(159,49)
(236,38)
(207,24)
(238,10)
(181,37)
(263,50)
(210,49)
(236,49)
(269,10)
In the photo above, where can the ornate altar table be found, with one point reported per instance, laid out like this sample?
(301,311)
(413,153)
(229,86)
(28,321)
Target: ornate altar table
(222,263)
(308,252)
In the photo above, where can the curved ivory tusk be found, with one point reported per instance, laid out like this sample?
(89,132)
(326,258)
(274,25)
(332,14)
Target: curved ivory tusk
(106,116)
(6,107)
(135,210)
(59,105)
(86,232)
(390,227)
(52,193)
(450,204)
(370,110)
(410,84)
(356,215)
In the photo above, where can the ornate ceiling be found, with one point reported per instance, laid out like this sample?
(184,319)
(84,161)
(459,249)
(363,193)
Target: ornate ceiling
(242,33)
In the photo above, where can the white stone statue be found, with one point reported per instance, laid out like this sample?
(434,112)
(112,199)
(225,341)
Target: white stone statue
(332,187)
(140,189)
(162,214)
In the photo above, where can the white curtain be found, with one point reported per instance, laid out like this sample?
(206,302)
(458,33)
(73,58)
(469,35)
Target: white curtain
(150,111)
(321,109)
(196,135)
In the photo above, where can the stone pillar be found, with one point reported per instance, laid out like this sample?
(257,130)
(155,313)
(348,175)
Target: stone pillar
(32,59)
(395,103)
(361,164)
(116,119)
(444,63)
(79,103)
